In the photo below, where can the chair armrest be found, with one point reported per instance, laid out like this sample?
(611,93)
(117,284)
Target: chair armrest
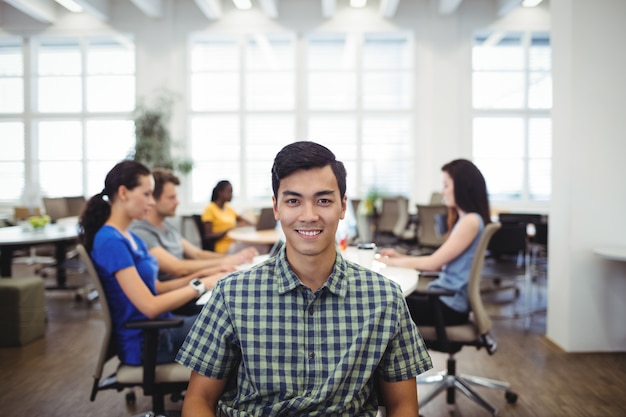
(434,293)
(429,274)
(155,324)
(151,339)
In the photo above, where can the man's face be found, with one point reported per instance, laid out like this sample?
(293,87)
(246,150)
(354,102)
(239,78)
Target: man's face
(309,207)
(166,204)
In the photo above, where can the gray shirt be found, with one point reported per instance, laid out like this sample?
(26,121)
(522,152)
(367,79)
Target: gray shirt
(168,237)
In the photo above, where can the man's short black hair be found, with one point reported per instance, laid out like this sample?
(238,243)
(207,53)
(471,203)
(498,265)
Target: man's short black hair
(306,155)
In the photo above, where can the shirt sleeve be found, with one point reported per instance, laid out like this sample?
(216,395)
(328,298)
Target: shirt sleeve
(148,236)
(407,355)
(210,348)
(112,254)
(207,214)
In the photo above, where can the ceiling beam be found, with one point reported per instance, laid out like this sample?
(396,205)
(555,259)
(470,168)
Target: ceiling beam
(41,10)
(328,8)
(212,9)
(96,8)
(507,6)
(388,8)
(151,8)
(448,6)
(269,7)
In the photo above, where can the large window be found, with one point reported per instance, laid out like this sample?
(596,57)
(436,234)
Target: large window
(253,94)
(11,124)
(512,98)
(73,110)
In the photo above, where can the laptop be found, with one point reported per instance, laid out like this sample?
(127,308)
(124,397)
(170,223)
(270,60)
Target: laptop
(266,219)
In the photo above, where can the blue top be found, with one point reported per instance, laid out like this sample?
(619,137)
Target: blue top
(288,351)
(111,253)
(455,274)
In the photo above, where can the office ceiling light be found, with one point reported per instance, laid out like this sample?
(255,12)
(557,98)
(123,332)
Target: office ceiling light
(531,3)
(358,3)
(243,4)
(71,5)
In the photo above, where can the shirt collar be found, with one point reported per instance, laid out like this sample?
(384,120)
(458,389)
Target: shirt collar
(288,281)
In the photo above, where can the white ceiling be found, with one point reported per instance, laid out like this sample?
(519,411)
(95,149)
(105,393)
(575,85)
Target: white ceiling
(46,11)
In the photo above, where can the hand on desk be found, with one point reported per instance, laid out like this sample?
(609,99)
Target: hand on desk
(210,280)
(244,256)
(391,257)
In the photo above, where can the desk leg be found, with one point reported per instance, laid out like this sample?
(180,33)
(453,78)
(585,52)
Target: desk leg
(59,255)
(6,261)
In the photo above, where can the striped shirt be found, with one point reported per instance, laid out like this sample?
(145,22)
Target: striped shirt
(298,352)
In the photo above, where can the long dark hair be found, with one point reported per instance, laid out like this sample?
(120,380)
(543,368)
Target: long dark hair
(98,208)
(470,190)
(221,185)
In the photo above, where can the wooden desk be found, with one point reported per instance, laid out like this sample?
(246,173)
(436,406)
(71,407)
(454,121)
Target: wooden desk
(17,237)
(614,253)
(250,235)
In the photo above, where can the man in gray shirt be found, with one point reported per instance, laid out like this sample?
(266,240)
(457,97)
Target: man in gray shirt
(175,254)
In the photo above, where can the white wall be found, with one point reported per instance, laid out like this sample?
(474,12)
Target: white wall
(587,294)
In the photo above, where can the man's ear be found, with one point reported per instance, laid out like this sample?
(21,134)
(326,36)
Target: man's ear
(344,206)
(275,208)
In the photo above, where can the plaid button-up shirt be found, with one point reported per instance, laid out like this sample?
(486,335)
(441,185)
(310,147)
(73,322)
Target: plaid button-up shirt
(289,351)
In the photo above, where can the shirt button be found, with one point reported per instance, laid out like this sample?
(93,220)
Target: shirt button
(311,311)
(308,394)
(311,355)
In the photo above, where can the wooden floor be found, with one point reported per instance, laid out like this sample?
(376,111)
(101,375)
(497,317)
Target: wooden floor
(52,376)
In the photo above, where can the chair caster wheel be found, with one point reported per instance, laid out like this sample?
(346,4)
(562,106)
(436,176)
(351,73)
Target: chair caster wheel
(511,397)
(130,398)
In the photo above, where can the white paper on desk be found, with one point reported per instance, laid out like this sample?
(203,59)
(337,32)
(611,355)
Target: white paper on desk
(202,300)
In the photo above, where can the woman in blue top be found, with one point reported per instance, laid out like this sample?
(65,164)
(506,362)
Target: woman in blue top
(127,271)
(465,194)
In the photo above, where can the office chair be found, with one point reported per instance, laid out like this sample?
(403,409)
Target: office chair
(451,339)
(430,225)
(404,229)
(207,243)
(516,256)
(156,380)
(55,207)
(507,259)
(393,222)
(75,205)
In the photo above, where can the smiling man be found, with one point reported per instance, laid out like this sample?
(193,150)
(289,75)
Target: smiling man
(306,332)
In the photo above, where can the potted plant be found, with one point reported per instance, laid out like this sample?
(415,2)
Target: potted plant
(153,141)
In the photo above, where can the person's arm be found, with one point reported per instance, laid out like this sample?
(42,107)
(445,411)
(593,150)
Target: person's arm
(400,398)
(208,276)
(149,304)
(173,266)
(461,239)
(242,221)
(208,231)
(202,395)
(245,255)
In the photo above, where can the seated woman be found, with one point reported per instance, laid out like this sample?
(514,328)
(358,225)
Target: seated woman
(127,271)
(465,194)
(219,217)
